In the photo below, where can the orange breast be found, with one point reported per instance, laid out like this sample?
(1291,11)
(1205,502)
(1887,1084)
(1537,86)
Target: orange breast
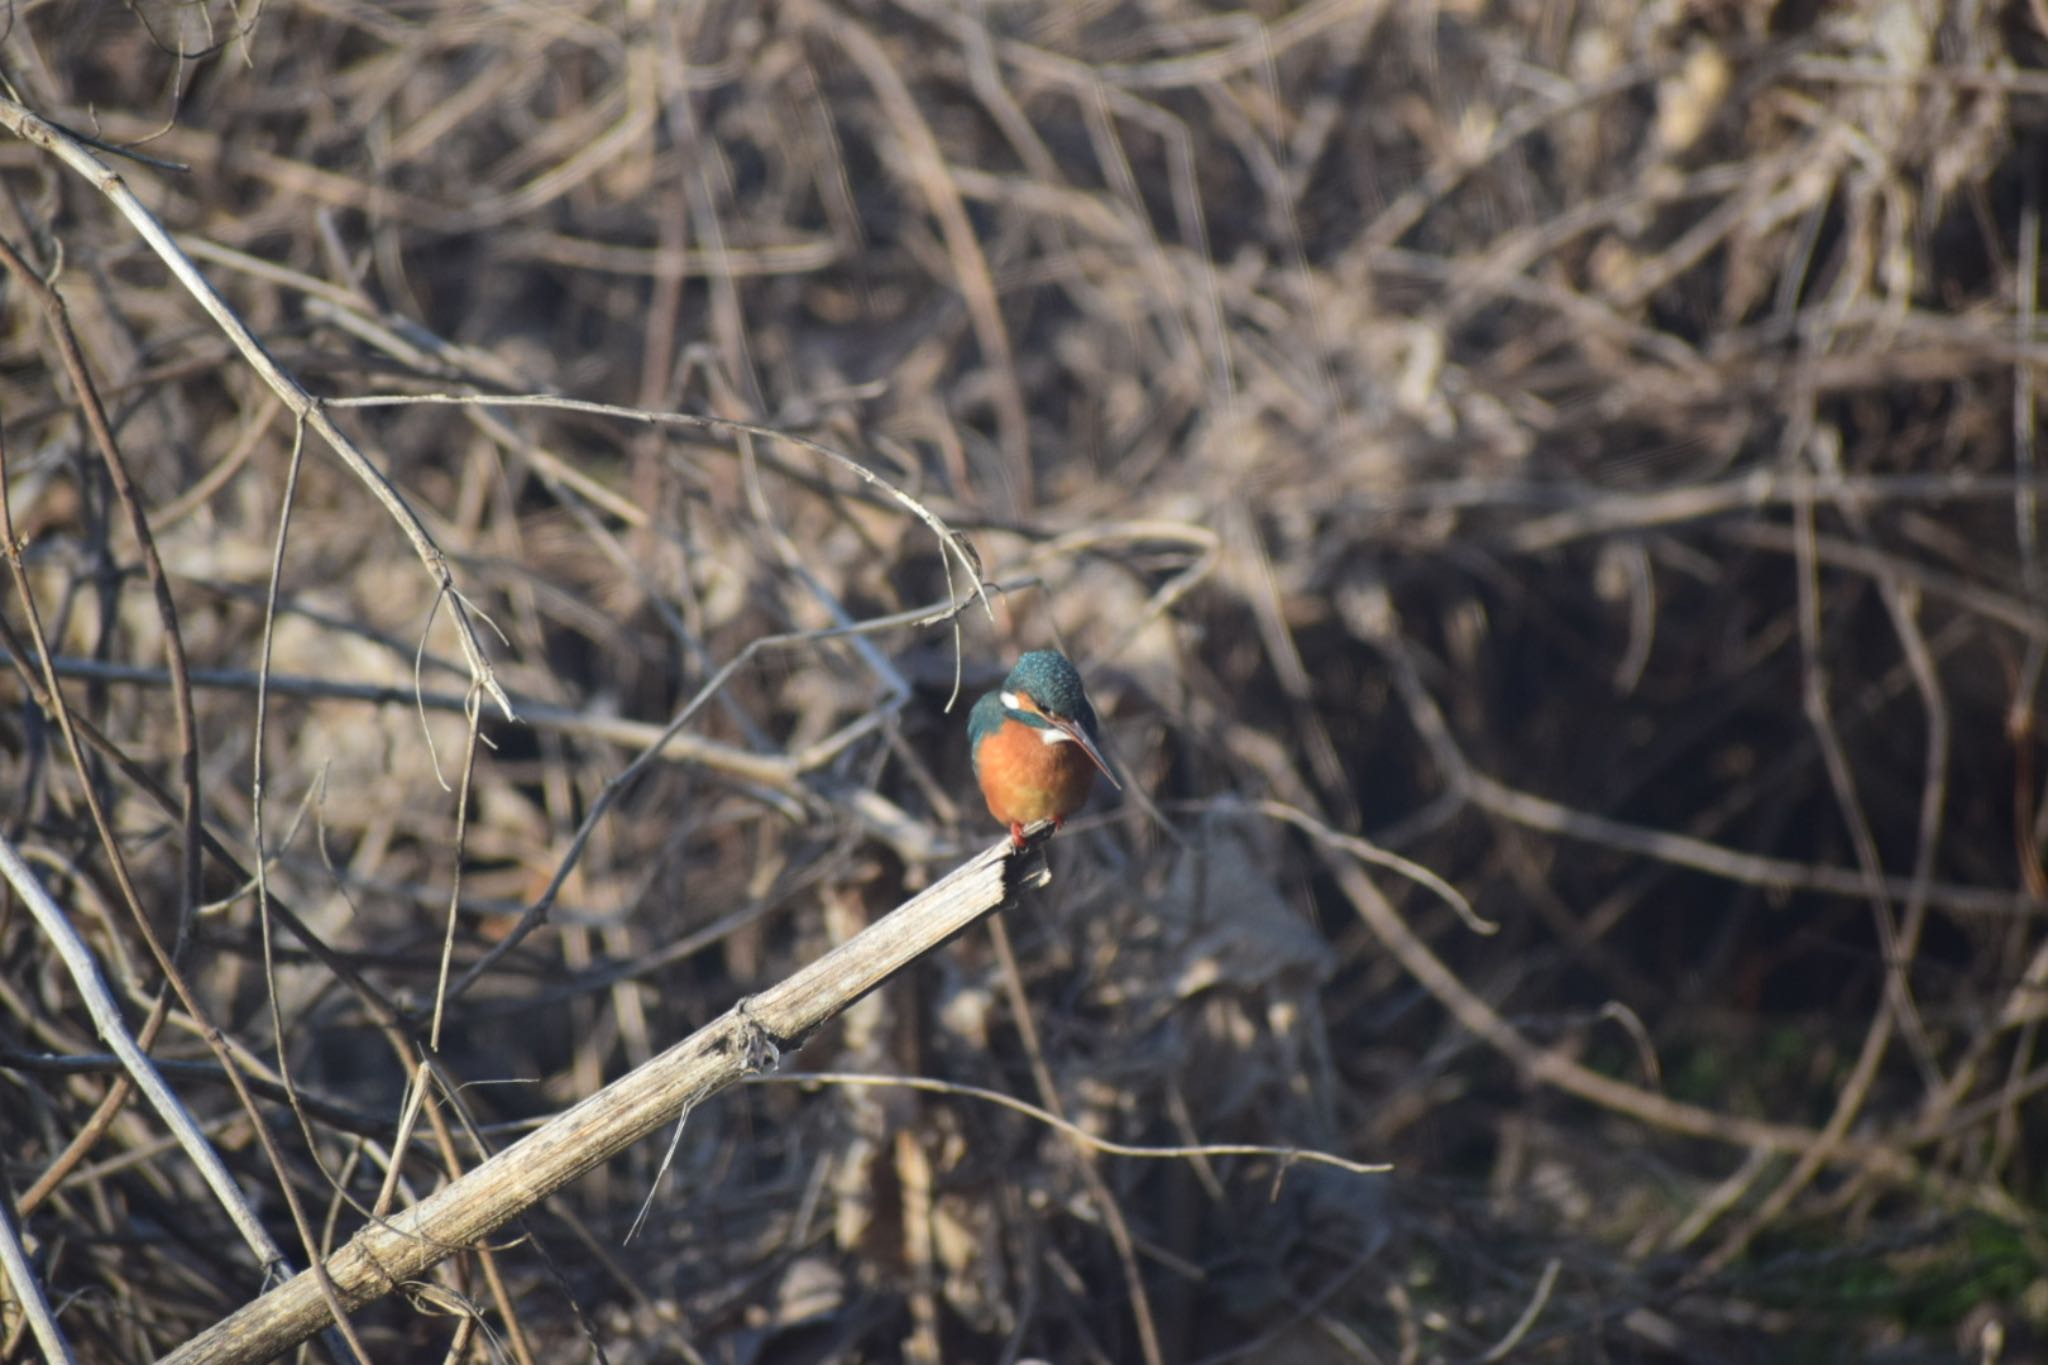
(1026,780)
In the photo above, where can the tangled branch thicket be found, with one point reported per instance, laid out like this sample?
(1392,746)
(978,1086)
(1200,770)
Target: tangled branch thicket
(1584,449)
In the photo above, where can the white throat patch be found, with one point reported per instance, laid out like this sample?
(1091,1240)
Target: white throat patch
(1048,734)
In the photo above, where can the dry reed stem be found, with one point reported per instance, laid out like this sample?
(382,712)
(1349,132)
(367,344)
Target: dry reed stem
(747,1039)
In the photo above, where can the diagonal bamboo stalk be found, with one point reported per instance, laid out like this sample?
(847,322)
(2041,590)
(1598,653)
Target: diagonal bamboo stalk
(746,1040)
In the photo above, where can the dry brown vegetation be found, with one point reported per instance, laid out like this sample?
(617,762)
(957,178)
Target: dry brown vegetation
(1585,449)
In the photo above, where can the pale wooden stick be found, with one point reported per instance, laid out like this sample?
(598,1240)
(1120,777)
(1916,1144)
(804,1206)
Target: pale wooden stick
(106,1017)
(17,1270)
(748,1039)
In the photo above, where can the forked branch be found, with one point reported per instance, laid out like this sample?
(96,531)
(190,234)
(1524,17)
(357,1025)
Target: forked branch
(79,155)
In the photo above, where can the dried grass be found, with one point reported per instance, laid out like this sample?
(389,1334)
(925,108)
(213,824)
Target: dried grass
(1586,450)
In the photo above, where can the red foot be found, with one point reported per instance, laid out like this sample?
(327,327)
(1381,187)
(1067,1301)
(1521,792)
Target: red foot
(1017,840)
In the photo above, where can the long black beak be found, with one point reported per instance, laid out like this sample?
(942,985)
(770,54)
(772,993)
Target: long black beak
(1072,730)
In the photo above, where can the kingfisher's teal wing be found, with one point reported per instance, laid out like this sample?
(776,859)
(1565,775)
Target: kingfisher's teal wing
(984,720)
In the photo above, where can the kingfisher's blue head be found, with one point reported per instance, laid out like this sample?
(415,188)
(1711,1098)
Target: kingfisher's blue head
(1053,686)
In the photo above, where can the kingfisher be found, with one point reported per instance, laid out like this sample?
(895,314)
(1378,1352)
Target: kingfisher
(1034,744)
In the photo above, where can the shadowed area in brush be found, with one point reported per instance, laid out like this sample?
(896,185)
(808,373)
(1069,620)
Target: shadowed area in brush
(1561,469)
